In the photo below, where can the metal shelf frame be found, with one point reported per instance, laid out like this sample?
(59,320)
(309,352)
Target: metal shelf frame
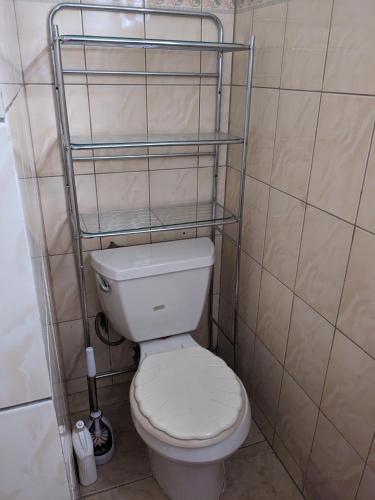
(217,138)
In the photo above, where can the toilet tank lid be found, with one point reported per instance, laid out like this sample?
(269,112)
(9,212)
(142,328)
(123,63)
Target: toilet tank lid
(126,263)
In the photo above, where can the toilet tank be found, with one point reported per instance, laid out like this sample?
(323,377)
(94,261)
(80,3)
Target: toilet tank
(155,290)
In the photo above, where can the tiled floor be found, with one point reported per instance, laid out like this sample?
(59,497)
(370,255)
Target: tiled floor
(252,473)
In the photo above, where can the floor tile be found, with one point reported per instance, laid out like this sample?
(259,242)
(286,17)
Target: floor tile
(130,462)
(254,436)
(255,473)
(147,489)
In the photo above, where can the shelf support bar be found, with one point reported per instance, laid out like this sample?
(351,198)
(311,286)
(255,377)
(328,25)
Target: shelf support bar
(246,127)
(72,202)
(219,87)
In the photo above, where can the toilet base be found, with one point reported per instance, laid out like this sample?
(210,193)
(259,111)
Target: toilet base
(187,481)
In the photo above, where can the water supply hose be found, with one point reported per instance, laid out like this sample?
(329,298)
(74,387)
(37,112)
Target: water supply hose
(101,322)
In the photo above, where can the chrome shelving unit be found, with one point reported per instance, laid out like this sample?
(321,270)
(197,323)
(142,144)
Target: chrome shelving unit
(149,219)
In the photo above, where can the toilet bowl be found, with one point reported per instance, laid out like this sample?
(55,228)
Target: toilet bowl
(188,406)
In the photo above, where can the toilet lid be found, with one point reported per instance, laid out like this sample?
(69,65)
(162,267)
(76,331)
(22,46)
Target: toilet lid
(188,394)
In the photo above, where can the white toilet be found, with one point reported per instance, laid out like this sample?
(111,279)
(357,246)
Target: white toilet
(187,405)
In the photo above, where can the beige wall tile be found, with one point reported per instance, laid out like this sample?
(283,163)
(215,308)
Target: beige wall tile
(356,318)
(371,456)
(269,30)
(227,274)
(296,420)
(174,61)
(237,102)
(283,236)
(210,33)
(181,28)
(173,186)
(264,425)
(73,349)
(366,212)
(19,127)
(309,345)
(34,467)
(58,235)
(242,30)
(161,60)
(254,217)
(107,58)
(232,192)
(122,190)
(207,106)
(348,393)
(225,349)
(245,353)
(225,315)
(117,110)
(351,45)
(262,133)
(88,204)
(342,146)
(205,177)
(65,287)
(249,290)
(33,217)
(243,25)
(367,486)
(288,461)
(295,135)
(10,62)
(275,305)
(305,46)
(335,468)
(323,259)
(172,109)
(266,382)
(44,129)
(34,41)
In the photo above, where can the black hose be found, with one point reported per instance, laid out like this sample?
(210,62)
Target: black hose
(101,322)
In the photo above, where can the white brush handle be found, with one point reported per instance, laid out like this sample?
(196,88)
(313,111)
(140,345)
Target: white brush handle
(90,360)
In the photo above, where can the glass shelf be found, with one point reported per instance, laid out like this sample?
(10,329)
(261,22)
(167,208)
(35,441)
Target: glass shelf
(142,220)
(154,140)
(141,43)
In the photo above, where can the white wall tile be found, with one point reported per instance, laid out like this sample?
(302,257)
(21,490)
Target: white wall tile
(34,466)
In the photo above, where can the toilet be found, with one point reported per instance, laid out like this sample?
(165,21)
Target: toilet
(188,406)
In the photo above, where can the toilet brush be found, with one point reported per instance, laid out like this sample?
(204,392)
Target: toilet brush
(98,425)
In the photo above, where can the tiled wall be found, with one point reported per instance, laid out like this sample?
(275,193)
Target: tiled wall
(33,395)
(115,106)
(306,341)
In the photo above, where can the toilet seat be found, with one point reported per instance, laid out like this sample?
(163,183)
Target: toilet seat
(187,397)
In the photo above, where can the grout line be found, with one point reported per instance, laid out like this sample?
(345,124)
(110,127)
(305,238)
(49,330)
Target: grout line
(320,411)
(120,485)
(281,89)
(265,229)
(366,465)
(316,91)
(307,195)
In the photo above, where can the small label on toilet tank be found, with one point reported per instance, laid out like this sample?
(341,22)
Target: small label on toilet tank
(159,308)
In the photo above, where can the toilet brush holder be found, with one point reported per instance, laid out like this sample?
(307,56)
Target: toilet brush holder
(98,425)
